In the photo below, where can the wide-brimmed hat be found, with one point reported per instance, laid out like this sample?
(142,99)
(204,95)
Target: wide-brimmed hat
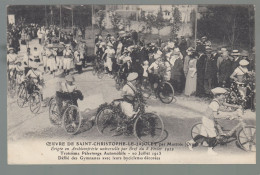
(132,76)
(190,49)
(109,44)
(10,48)
(235,53)
(218,90)
(70,78)
(243,63)
(244,53)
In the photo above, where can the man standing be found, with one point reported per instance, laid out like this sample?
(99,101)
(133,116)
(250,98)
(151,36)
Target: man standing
(235,63)
(225,70)
(200,66)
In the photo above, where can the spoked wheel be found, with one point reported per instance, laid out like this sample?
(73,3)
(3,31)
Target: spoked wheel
(117,82)
(149,127)
(35,100)
(166,93)
(12,88)
(54,115)
(72,119)
(21,96)
(100,73)
(146,90)
(106,121)
(94,71)
(195,130)
(247,138)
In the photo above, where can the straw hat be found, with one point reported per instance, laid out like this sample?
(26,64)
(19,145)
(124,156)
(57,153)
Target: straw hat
(190,49)
(146,62)
(243,63)
(235,53)
(70,78)
(132,76)
(10,48)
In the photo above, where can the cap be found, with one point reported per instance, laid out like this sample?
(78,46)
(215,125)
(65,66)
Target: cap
(132,76)
(218,90)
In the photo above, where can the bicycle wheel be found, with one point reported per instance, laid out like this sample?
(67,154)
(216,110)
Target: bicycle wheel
(146,90)
(247,138)
(35,100)
(94,70)
(21,96)
(117,83)
(100,73)
(166,93)
(149,127)
(106,121)
(195,130)
(12,88)
(71,119)
(54,115)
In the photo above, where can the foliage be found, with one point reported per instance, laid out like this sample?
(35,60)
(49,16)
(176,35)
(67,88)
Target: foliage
(230,23)
(115,20)
(154,20)
(176,16)
(100,20)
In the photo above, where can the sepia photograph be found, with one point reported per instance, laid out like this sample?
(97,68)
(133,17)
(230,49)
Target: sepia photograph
(131,84)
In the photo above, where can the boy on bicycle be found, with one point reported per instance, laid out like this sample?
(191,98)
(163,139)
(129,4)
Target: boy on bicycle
(207,130)
(67,91)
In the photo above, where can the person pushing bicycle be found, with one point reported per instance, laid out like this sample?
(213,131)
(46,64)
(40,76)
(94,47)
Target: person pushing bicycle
(208,128)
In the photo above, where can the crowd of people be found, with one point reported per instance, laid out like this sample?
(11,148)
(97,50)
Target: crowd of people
(192,71)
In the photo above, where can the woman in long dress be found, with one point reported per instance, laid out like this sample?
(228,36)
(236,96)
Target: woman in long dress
(191,79)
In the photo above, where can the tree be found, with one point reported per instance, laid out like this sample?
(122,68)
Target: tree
(176,21)
(115,20)
(100,20)
(157,21)
(230,23)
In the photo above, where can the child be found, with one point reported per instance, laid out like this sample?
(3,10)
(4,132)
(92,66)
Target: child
(145,73)
(207,131)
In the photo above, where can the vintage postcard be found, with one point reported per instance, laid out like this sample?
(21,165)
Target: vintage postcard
(131,84)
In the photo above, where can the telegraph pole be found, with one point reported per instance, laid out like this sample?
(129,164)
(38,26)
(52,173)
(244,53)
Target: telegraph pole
(196,25)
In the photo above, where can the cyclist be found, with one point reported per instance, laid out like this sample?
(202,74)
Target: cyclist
(35,78)
(207,131)
(67,91)
(11,58)
(239,76)
(128,105)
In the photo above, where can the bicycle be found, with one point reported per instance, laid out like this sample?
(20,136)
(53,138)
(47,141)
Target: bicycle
(69,116)
(147,127)
(164,90)
(120,79)
(28,92)
(243,134)
(98,68)
(12,84)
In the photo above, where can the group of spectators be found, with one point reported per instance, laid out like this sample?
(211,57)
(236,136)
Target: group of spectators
(194,71)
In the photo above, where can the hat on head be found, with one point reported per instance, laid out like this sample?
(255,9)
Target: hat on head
(235,53)
(109,44)
(243,63)
(218,90)
(190,49)
(10,48)
(146,62)
(132,76)
(223,50)
(70,78)
(208,49)
(204,37)
(244,53)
